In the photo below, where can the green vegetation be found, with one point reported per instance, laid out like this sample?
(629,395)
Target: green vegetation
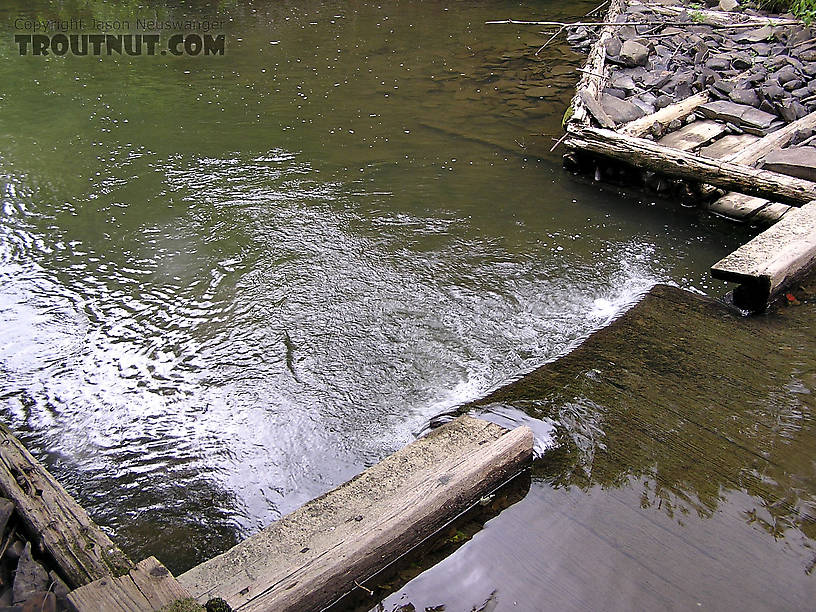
(802,9)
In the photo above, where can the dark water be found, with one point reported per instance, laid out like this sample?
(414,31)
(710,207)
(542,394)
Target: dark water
(677,472)
(228,284)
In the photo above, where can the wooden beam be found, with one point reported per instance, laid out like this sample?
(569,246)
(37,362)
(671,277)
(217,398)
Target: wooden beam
(664,116)
(309,558)
(728,175)
(594,74)
(748,209)
(769,263)
(694,135)
(58,524)
(718,18)
(752,153)
(147,587)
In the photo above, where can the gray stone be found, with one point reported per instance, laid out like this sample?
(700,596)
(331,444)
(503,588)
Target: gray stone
(613,46)
(772,91)
(762,49)
(642,105)
(738,114)
(800,135)
(784,75)
(618,93)
(786,110)
(623,81)
(754,36)
(809,69)
(682,91)
(808,56)
(620,111)
(745,96)
(794,161)
(656,80)
(663,101)
(648,98)
(794,62)
(742,61)
(794,84)
(633,53)
(723,86)
(776,62)
(718,63)
(767,107)
(29,578)
(802,92)
(799,109)
(728,5)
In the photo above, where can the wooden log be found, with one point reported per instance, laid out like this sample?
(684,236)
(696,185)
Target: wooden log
(57,523)
(310,557)
(728,144)
(716,18)
(779,139)
(149,586)
(747,209)
(595,69)
(664,116)
(773,260)
(647,154)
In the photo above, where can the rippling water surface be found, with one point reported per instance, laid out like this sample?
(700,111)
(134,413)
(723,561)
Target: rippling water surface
(228,284)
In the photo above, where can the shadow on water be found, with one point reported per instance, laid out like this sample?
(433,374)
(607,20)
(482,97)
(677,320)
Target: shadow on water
(675,471)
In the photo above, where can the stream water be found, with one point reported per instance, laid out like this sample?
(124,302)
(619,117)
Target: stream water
(228,284)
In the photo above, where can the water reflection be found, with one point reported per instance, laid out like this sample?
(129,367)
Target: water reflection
(227,286)
(678,473)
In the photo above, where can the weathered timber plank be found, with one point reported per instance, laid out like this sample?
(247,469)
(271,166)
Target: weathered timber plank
(772,260)
(664,116)
(717,18)
(727,145)
(594,74)
(752,153)
(58,524)
(694,135)
(149,586)
(728,175)
(748,208)
(315,554)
